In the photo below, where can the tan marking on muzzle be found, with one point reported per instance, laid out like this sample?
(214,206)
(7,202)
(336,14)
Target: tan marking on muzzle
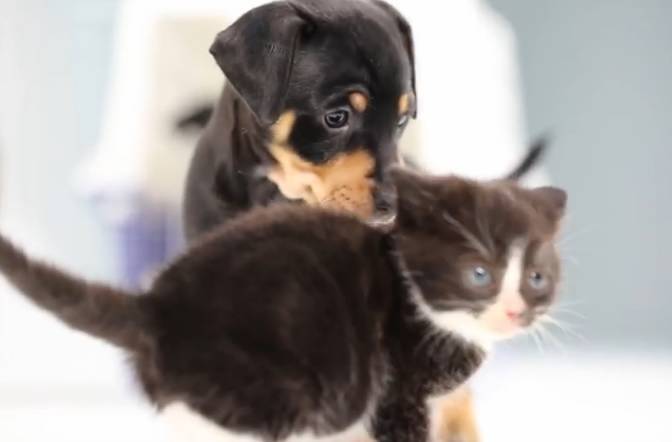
(359,101)
(404,104)
(343,183)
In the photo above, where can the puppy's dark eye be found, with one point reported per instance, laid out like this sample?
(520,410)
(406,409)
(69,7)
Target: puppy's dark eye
(402,121)
(337,119)
(537,281)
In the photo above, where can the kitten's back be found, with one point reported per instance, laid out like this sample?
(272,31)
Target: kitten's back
(280,295)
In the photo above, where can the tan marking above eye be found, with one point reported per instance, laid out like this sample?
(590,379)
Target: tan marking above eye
(404,103)
(359,101)
(282,128)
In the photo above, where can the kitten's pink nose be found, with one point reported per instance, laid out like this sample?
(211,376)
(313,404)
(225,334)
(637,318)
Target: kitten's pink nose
(514,315)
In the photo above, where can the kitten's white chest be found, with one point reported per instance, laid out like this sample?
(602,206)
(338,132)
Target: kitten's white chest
(185,425)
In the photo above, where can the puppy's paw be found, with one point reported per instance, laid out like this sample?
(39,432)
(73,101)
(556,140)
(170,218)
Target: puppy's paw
(457,420)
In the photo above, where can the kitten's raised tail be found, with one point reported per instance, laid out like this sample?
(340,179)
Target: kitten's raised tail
(99,310)
(534,155)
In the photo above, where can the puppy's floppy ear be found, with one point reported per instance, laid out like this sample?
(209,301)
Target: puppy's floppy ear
(256,53)
(407,35)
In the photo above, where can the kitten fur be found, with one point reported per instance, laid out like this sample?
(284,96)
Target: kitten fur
(293,320)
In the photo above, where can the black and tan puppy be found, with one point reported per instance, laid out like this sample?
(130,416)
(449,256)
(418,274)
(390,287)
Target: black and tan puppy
(318,94)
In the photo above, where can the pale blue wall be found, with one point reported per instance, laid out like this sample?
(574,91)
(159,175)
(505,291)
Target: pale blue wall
(598,73)
(55,59)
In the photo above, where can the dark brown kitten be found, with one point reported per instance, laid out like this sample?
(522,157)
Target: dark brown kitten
(293,320)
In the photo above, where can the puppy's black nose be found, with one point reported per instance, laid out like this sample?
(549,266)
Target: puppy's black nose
(383,200)
(384,197)
(384,210)
(382,205)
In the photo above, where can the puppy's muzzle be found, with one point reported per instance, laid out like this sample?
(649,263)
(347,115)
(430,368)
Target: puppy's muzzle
(353,182)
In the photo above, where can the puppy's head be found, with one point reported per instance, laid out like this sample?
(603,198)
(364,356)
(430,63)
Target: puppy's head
(333,82)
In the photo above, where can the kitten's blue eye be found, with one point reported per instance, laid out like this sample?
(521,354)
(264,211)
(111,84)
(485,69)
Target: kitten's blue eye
(402,121)
(479,276)
(537,281)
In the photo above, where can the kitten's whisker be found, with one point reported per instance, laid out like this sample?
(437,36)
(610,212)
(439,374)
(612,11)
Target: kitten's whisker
(564,311)
(573,303)
(566,328)
(575,334)
(547,334)
(541,332)
(536,339)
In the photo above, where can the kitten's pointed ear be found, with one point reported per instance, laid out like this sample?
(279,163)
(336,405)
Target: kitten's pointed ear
(415,198)
(553,201)
(256,53)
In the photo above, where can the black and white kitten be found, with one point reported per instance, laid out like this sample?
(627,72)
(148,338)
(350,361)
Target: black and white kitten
(293,322)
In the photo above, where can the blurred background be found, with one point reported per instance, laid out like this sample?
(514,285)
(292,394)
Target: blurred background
(92,167)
